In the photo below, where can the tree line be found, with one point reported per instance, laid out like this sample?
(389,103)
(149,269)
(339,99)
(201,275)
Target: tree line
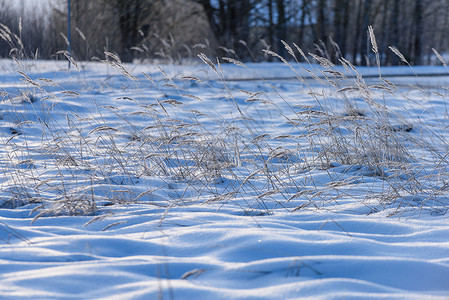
(176,30)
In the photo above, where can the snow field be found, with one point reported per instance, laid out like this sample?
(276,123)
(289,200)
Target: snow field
(181,186)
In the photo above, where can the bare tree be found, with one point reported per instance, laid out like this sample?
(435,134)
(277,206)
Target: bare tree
(366,21)
(129,14)
(320,26)
(304,12)
(25,35)
(417,32)
(281,26)
(230,22)
(169,28)
(341,18)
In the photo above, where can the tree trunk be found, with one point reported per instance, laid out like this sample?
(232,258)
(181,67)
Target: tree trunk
(417,31)
(340,26)
(270,24)
(320,32)
(281,26)
(385,33)
(356,43)
(344,29)
(210,13)
(302,23)
(364,52)
(129,17)
(394,35)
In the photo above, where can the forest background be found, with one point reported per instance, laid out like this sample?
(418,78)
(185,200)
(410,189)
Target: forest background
(176,30)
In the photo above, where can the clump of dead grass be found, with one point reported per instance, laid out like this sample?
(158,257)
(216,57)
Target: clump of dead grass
(199,157)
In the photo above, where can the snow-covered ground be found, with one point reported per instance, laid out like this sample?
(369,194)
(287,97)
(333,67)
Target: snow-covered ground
(172,183)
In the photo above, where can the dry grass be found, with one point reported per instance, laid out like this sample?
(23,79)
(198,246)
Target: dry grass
(197,157)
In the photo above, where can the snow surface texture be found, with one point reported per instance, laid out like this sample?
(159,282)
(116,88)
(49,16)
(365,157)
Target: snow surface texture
(182,186)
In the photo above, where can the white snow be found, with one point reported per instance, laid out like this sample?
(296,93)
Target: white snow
(264,223)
